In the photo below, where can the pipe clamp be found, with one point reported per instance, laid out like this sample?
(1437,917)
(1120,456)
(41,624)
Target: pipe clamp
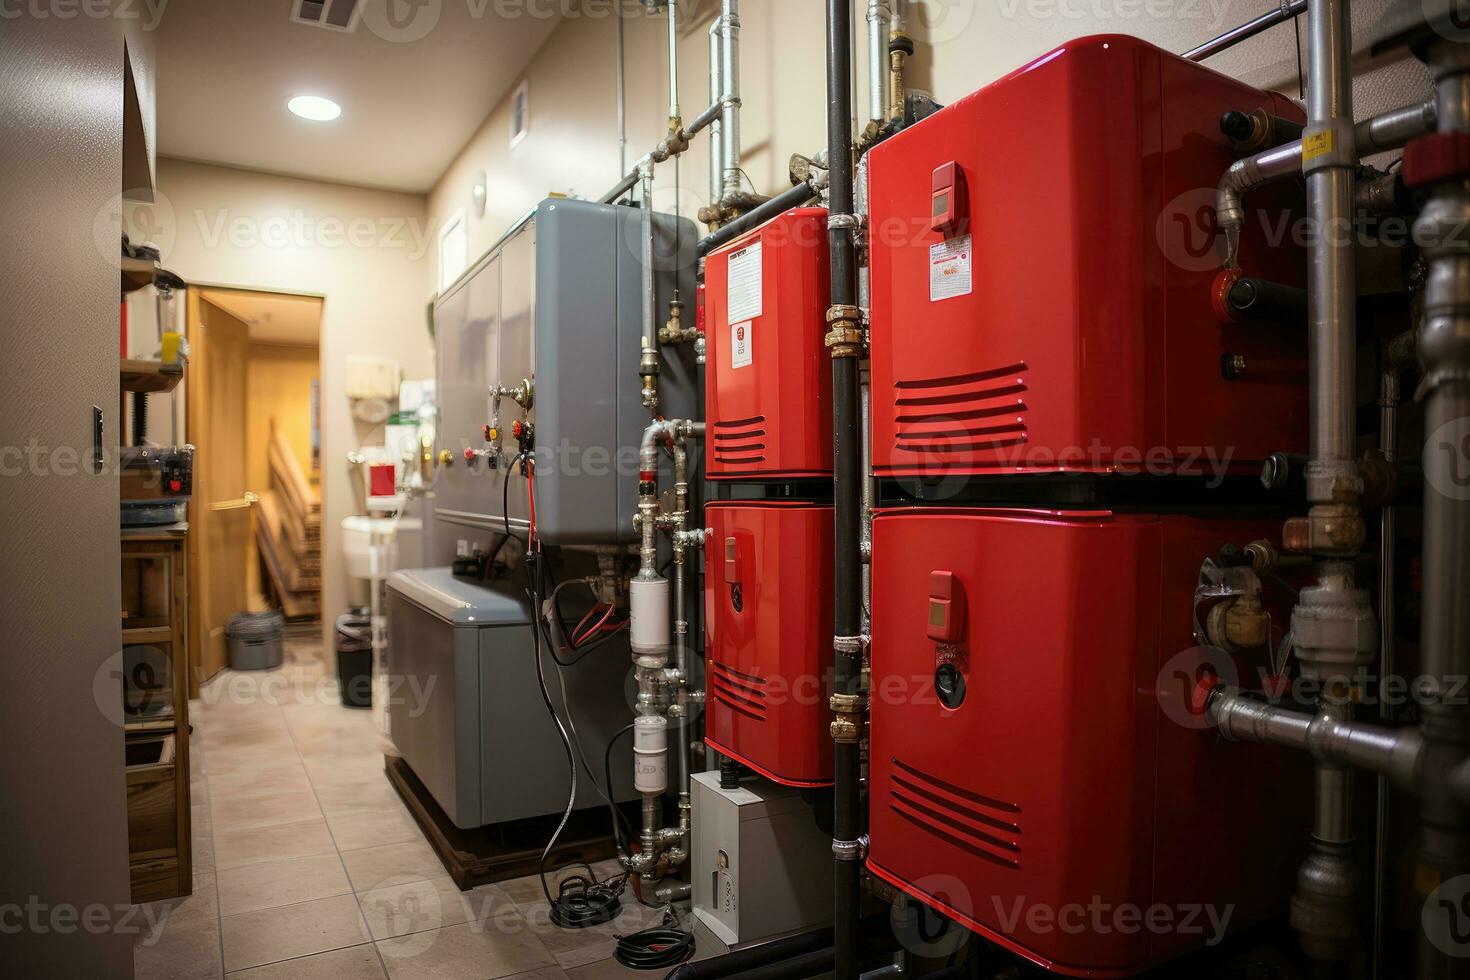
(851,850)
(1329,144)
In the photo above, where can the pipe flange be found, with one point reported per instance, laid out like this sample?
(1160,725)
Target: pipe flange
(851,850)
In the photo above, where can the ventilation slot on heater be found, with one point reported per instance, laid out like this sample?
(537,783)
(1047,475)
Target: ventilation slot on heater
(740,692)
(976,824)
(740,442)
(962,413)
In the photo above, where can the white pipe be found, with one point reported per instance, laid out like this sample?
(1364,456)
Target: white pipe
(674,111)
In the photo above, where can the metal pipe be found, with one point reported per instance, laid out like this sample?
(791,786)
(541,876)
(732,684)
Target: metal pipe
(717,127)
(1330,278)
(730,97)
(880,21)
(759,215)
(1394,129)
(622,97)
(845,344)
(1388,408)
(675,114)
(710,115)
(1330,737)
(1232,37)
(624,186)
(1444,353)
(1384,132)
(1244,176)
(648,356)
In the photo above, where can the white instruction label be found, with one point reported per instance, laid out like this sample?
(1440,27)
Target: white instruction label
(740,345)
(743,298)
(949,269)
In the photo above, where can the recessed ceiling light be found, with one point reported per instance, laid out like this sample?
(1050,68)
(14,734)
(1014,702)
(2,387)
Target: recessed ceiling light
(315,108)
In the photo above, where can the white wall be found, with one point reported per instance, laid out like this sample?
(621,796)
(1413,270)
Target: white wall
(363,250)
(962,45)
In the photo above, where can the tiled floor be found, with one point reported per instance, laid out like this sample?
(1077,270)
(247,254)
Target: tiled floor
(306,863)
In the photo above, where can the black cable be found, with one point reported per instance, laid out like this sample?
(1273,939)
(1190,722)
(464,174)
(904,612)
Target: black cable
(620,823)
(654,949)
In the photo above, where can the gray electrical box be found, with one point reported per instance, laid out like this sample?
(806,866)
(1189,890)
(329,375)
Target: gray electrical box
(761,865)
(556,307)
(465,704)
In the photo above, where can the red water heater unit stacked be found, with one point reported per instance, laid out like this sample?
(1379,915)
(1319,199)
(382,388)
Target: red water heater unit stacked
(768,574)
(1041,318)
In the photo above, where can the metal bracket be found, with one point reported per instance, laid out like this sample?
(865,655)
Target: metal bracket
(851,850)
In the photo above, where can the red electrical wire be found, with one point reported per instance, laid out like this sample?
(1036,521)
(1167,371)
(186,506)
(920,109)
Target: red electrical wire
(531,495)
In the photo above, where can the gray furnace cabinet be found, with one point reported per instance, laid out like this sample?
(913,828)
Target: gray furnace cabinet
(466,709)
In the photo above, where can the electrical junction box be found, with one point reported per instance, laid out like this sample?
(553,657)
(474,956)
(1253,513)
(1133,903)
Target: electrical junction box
(768,386)
(1042,257)
(556,307)
(768,637)
(762,867)
(1036,741)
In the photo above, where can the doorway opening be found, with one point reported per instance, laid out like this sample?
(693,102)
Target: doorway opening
(254,419)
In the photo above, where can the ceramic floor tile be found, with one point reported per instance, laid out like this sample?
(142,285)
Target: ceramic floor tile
(356,829)
(202,905)
(237,848)
(353,963)
(391,864)
(181,951)
(256,938)
(485,950)
(433,903)
(249,812)
(254,887)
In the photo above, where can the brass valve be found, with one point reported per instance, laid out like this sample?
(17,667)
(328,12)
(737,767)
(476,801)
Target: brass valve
(446,458)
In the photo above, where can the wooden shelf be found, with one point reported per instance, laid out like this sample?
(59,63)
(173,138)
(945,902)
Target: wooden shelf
(137,273)
(146,634)
(150,375)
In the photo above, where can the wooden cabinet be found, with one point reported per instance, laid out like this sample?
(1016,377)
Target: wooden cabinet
(155,693)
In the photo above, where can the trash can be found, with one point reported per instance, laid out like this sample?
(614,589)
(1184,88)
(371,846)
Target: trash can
(255,641)
(354,646)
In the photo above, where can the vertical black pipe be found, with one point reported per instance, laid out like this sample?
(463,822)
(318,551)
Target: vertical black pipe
(847,817)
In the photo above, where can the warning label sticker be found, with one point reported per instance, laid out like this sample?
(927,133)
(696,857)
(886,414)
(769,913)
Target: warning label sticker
(740,345)
(949,269)
(743,297)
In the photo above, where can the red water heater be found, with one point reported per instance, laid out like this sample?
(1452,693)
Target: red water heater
(769,382)
(1042,255)
(769,637)
(1040,773)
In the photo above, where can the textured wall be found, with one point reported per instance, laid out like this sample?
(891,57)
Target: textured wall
(962,45)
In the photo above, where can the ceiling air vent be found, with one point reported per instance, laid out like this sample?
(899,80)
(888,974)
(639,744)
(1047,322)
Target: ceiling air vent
(335,15)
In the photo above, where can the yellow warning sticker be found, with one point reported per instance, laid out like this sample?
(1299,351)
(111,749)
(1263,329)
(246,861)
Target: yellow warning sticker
(1318,144)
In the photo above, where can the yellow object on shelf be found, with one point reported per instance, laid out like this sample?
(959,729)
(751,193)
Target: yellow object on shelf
(171,340)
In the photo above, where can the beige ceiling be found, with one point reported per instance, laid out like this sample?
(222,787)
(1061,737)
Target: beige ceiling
(226,69)
(273,318)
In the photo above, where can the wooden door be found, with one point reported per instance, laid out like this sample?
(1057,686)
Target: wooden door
(220,527)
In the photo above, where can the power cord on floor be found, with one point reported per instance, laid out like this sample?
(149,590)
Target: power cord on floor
(659,948)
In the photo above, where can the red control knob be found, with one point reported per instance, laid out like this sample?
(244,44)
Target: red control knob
(175,485)
(469,455)
(518,428)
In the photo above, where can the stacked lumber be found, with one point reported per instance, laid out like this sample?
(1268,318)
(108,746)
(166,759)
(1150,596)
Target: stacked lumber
(289,533)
